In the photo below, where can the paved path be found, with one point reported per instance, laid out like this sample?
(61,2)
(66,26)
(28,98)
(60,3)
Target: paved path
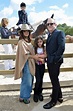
(9,102)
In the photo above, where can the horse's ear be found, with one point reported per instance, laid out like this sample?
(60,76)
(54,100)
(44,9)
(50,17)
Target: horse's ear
(45,21)
(52,16)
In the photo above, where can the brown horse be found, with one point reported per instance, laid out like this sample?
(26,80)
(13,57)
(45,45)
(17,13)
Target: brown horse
(13,30)
(41,28)
(39,31)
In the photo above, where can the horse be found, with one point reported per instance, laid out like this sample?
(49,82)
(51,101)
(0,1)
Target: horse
(39,31)
(13,29)
(41,28)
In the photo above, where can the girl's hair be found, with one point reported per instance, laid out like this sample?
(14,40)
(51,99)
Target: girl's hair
(23,37)
(3,21)
(36,43)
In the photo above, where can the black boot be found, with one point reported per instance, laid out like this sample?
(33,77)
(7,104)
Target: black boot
(35,98)
(40,97)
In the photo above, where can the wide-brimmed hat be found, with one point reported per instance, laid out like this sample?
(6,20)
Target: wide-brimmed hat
(26,27)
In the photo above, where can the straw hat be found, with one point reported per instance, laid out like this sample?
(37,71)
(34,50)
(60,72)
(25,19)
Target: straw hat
(26,27)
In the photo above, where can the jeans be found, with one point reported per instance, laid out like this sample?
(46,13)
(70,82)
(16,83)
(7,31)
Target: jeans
(26,82)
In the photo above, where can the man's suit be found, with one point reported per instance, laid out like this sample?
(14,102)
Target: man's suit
(55,46)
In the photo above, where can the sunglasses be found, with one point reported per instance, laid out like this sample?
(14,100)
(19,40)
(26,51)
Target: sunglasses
(50,24)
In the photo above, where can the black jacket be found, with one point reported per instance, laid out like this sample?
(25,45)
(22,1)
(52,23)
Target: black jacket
(55,46)
(23,19)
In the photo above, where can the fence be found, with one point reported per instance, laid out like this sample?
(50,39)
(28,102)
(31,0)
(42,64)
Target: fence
(9,72)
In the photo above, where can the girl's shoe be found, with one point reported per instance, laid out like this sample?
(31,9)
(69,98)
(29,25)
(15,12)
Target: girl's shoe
(35,98)
(40,97)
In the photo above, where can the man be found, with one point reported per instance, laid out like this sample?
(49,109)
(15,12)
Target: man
(55,46)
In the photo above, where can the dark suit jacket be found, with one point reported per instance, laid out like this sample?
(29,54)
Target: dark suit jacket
(55,46)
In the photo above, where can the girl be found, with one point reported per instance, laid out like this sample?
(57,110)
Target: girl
(40,68)
(25,64)
(23,17)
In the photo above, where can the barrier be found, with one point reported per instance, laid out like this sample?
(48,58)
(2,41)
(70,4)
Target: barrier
(9,72)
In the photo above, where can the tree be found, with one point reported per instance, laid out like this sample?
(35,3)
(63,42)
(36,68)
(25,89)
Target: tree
(67,29)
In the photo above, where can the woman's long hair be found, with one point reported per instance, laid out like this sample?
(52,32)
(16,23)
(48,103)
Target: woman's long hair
(36,43)
(23,37)
(3,21)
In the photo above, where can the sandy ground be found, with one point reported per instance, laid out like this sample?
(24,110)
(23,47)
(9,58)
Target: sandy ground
(9,101)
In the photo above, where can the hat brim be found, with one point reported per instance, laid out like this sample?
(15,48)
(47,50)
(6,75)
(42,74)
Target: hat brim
(25,30)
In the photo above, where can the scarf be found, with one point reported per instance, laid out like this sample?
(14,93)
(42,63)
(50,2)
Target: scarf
(24,49)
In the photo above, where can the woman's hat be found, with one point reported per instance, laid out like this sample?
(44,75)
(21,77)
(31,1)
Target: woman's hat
(26,27)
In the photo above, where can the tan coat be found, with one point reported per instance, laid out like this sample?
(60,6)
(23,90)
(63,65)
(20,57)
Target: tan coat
(22,56)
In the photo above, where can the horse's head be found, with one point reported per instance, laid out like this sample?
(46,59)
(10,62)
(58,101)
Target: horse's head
(41,28)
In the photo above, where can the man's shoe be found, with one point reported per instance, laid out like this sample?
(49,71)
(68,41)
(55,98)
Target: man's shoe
(40,97)
(60,100)
(49,105)
(35,98)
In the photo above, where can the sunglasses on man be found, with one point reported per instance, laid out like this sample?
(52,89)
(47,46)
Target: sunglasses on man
(50,24)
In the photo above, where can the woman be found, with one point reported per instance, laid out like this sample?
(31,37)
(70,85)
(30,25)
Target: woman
(5,33)
(25,64)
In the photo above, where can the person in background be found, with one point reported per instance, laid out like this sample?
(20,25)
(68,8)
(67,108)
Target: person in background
(22,14)
(40,68)
(5,34)
(25,63)
(70,38)
(55,46)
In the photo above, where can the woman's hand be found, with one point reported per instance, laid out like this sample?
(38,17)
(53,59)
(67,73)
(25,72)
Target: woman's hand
(42,56)
(36,57)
